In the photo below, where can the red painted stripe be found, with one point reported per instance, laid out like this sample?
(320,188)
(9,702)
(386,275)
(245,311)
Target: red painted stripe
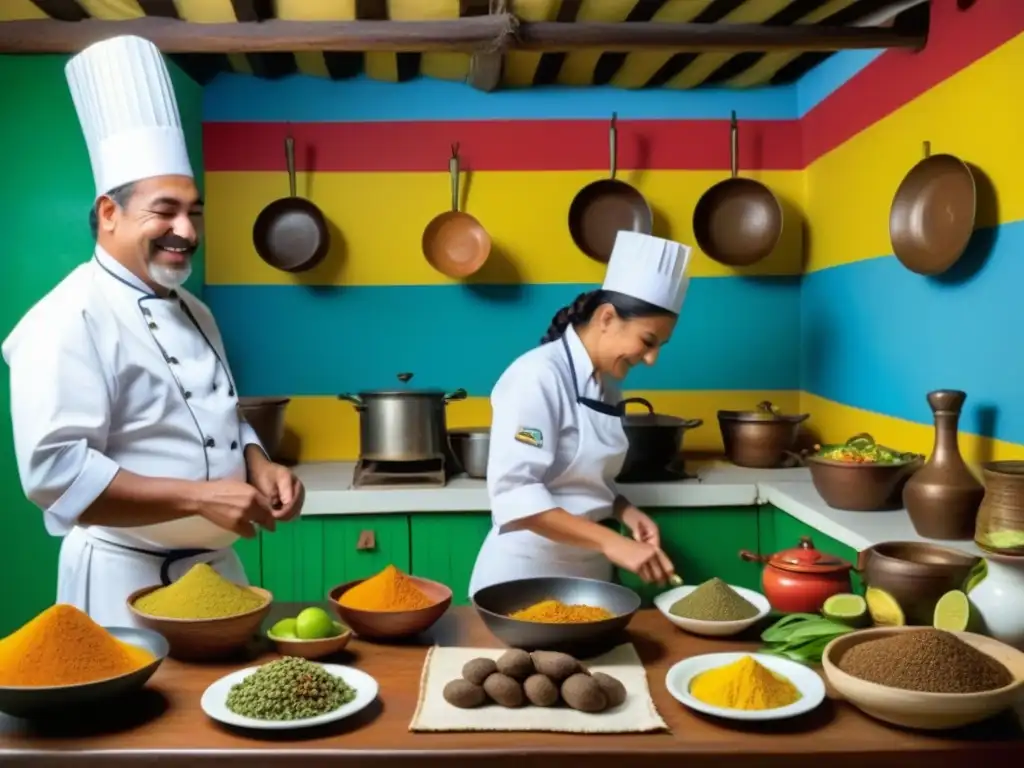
(956,40)
(501,145)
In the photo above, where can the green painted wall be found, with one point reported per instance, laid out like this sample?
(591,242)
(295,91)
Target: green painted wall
(44,205)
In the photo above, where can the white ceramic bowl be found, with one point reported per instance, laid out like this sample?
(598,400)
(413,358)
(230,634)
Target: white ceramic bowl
(665,600)
(806,680)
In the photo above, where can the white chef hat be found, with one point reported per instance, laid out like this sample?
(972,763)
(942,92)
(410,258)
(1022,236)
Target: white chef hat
(649,268)
(126,106)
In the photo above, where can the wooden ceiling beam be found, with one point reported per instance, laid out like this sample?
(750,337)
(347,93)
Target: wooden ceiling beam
(492,32)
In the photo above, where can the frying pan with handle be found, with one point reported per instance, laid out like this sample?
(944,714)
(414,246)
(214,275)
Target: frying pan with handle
(603,208)
(932,214)
(738,221)
(291,233)
(454,242)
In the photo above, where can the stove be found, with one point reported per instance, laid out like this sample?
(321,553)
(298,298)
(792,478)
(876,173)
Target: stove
(429,473)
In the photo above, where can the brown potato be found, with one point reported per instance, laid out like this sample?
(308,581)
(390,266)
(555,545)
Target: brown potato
(464,694)
(516,664)
(541,691)
(557,666)
(613,689)
(478,670)
(584,693)
(504,690)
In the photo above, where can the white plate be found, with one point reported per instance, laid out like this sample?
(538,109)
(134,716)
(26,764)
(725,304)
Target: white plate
(214,701)
(665,600)
(806,680)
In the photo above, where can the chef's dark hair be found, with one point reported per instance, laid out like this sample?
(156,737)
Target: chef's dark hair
(120,195)
(583,308)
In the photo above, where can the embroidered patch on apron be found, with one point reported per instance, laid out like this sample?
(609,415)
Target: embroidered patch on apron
(530,436)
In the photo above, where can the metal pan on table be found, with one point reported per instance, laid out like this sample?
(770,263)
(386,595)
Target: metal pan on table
(738,221)
(933,213)
(454,242)
(603,208)
(291,233)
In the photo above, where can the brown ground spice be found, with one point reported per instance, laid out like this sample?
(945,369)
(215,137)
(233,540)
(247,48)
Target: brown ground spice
(927,660)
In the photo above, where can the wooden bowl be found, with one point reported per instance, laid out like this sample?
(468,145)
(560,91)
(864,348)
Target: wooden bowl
(866,487)
(915,709)
(312,649)
(387,625)
(204,639)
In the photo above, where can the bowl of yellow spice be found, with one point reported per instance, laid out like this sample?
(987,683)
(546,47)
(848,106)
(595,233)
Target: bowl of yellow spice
(203,615)
(390,604)
(63,660)
(745,686)
(556,612)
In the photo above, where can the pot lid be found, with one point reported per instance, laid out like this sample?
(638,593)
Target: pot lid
(764,411)
(404,378)
(806,559)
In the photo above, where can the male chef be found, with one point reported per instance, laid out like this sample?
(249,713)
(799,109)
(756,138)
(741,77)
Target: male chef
(126,427)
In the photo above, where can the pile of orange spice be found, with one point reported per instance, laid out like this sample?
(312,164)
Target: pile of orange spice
(389,590)
(556,612)
(63,646)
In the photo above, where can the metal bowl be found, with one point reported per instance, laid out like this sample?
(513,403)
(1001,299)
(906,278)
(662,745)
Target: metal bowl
(35,702)
(496,602)
(471,447)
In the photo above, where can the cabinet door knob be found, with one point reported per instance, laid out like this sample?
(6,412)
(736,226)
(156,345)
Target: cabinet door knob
(367,541)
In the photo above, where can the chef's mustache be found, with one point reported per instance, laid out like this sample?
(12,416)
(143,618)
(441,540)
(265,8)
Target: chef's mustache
(176,242)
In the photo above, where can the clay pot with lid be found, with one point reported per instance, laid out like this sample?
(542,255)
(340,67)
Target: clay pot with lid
(801,579)
(762,438)
(942,498)
(1000,523)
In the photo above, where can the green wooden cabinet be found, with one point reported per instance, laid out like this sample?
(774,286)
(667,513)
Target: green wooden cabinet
(445,546)
(250,552)
(780,530)
(704,543)
(302,560)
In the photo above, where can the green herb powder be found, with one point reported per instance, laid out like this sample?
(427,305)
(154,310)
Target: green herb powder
(714,600)
(289,689)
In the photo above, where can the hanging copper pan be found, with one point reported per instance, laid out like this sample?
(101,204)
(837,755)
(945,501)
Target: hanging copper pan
(738,221)
(291,233)
(932,215)
(603,208)
(455,243)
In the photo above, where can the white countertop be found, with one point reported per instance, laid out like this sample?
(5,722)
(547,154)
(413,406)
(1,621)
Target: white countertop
(329,491)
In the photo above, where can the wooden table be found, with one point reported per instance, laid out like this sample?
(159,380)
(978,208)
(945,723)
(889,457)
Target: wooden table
(164,726)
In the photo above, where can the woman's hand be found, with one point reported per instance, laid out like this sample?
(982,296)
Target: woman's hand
(641,526)
(642,558)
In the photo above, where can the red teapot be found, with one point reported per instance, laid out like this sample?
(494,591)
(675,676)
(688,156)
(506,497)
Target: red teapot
(801,579)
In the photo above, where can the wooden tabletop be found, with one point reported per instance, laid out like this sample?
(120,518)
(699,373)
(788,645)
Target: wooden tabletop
(164,725)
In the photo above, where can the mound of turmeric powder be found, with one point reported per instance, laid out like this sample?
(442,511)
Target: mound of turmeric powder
(389,590)
(63,646)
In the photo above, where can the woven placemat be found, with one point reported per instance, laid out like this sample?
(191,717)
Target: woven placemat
(637,714)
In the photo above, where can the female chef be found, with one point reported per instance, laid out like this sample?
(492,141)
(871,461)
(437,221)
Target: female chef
(557,441)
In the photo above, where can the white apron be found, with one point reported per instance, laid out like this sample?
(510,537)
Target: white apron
(175,416)
(584,488)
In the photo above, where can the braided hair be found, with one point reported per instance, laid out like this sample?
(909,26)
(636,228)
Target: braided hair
(583,307)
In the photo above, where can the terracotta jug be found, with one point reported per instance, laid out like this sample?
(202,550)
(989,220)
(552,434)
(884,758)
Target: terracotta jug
(943,496)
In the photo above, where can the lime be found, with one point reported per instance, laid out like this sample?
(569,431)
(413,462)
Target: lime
(976,576)
(848,609)
(284,629)
(314,624)
(885,611)
(952,612)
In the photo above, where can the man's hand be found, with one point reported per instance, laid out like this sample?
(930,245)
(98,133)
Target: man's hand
(234,506)
(277,483)
(641,526)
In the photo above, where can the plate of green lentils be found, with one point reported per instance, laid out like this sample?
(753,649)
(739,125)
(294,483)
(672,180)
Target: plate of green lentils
(288,693)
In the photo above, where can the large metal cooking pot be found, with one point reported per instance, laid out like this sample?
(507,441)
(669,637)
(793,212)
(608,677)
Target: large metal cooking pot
(471,447)
(760,439)
(403,424)
(266,416)
(654,439)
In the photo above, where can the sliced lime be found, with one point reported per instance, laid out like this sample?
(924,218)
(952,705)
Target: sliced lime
(848,609)
(952,612)
(884,610)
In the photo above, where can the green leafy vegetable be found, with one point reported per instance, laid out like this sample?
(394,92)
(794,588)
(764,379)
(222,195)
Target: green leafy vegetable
(801,637)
